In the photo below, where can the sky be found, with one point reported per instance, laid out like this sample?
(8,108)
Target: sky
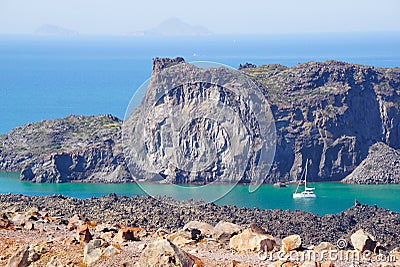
(114,17)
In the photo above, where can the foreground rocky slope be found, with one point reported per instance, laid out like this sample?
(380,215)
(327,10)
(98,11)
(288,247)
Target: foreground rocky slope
(328,112)
(60,231)
(150,213)
(380,167)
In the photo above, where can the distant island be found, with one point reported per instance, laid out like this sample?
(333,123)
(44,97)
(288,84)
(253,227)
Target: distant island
(173,27)
(344,118)
(54,30)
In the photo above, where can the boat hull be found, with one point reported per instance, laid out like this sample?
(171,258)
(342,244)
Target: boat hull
(301,195)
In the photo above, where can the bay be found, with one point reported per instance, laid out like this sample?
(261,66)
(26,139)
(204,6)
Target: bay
(47,78)
(331,197)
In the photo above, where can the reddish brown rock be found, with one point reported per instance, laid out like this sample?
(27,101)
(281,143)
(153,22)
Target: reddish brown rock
(83,233)
(327,264)
(311,264)
(235,263)
(74,222)
(126,234)
(5,224)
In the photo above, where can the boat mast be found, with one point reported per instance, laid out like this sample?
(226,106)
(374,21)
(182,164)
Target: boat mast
(305,176)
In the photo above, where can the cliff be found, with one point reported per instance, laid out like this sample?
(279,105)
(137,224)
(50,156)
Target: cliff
(74,148)
(328,112)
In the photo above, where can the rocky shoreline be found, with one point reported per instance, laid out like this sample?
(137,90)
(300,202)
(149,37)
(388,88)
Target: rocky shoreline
(151,213)
(123,230)
(331,113)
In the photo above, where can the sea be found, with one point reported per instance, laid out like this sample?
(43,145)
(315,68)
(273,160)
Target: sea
(44,78)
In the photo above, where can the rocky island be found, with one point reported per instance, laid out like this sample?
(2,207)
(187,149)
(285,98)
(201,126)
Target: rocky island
(343,117)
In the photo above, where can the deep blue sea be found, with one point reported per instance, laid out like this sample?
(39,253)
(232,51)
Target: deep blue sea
(46,78)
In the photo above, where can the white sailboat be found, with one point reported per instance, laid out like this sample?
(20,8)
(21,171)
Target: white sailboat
(308,191)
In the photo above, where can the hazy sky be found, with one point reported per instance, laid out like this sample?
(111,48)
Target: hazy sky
(220,16)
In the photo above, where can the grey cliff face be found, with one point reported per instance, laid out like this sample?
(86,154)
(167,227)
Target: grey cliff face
(195,125)
(330,113)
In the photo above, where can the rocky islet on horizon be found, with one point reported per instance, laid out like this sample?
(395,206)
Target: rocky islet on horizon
(332,113)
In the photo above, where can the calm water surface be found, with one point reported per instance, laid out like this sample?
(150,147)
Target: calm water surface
(332,197)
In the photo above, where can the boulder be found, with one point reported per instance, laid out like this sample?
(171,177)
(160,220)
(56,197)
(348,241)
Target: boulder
(111,251)
(71,241)
(324,246)
(205,229)
(5,224)
(291,242)
(26,255)
(29,225)
(250,241)
(83,233)
(107,236)
(20,219)
(223,231)
(181,241)
(126,234)
(54,262)
(327,264)
(181,238)
(103,227)
(277,263)
(363,241)
(164,253)
(161,232)
(74,222)
(258,229)
(93,251)
(310,264)
(20,258)
(33,212)
(235,263)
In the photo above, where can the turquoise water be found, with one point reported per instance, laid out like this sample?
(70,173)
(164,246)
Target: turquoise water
(332,197)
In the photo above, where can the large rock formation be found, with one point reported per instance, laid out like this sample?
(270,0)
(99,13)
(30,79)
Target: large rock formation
(75,148)
(195,125)
(330,113)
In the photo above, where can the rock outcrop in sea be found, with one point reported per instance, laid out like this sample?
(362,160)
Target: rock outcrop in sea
(331,113)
